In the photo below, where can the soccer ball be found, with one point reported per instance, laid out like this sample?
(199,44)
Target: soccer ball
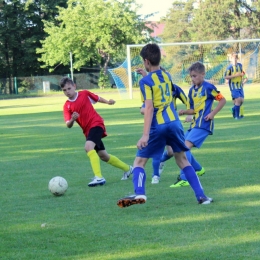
(58,186)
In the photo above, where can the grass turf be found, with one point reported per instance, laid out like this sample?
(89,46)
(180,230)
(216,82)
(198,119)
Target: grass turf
(86,223)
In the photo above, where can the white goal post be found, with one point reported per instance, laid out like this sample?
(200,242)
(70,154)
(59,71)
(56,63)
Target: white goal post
(177,57)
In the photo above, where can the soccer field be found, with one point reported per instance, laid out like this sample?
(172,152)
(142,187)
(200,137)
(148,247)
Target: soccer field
(86,223)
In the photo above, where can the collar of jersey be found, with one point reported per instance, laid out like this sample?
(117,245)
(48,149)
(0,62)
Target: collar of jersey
(74,98)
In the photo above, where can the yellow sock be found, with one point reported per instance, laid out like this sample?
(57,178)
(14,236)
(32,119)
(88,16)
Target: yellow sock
(95,163)
(241,110)
(113,160)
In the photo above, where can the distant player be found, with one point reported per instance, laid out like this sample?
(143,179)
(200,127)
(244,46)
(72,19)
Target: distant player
(161,127)
(235,76)
(201,98)
(78,108)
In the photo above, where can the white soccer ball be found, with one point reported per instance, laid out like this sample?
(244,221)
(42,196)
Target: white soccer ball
(58,186)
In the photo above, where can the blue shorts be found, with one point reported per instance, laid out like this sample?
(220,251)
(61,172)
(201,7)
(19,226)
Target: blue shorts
(166,134)
(196,136)
(237,93)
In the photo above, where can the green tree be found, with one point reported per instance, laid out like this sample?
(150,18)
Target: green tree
(93,30)
(21,29)
(207,20)
(178,22)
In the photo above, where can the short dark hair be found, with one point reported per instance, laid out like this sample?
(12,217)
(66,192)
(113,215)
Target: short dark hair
(198,67)
(152,53)
(66,80)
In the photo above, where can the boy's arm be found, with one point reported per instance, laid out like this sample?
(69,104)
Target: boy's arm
(148,116)
(186,112)
(73,118)
(245,78)
(109,102)
(238,74)
(221,103)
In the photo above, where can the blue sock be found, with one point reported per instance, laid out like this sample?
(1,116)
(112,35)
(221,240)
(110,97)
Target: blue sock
(194,163)
(156,164)
(236,109)
(182,174)
(165,156)
(139,178)
(194,181)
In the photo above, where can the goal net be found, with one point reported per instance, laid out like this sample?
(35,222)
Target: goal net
(177,58)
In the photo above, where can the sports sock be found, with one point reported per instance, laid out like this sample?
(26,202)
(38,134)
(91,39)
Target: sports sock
(194,181)
(139,178)
(182,174)
(236,109)
(241,110)
(156,165)
(165,156)
(95,163)
(194,163)
(113,160)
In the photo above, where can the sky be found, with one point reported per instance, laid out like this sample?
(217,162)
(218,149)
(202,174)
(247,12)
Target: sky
(152,6)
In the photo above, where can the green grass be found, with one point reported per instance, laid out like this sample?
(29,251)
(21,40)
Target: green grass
(86,223)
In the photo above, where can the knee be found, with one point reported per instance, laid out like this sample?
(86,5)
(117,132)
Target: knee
(103,158)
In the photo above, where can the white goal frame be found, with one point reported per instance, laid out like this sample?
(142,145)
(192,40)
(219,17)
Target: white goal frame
(128,50)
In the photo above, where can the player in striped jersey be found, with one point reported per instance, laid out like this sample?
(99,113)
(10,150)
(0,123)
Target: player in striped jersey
(235,76)
(161,127)
(201,98)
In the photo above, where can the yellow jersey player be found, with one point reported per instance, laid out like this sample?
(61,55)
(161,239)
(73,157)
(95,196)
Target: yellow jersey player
(161,127)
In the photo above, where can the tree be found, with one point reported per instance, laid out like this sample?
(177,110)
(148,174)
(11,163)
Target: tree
(21,29)
(93,30)
(178,22)
(207,20)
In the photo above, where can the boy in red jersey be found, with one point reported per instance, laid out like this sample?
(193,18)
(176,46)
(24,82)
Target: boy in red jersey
(79,108)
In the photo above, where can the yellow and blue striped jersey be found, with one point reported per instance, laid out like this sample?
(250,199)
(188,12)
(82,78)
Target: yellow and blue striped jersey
(177,92)
(157,86)
(234,83)
(201,100)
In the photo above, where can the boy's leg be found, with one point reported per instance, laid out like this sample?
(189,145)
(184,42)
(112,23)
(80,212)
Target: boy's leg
(195,164)
(113,160)
(95,165)
(139,178)
(156,165)
(167,154)
(242,111)
(194,137)
(192,178)
(92,146)
(116,162)
(236,111)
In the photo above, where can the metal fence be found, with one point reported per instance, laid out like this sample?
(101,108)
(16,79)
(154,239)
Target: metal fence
(34,84)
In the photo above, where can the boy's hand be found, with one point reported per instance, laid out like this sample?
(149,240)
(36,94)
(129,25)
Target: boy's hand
(238,74)
(210,116)
(181,112)
(141,71)
(188,119)
(74,116)
(111,102)
(142,142)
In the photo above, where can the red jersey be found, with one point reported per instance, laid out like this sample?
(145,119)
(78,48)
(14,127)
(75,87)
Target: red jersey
(88,117)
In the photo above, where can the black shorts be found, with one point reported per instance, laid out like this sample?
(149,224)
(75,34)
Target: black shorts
(95,135)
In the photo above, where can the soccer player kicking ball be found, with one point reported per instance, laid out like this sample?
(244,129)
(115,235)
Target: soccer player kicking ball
(79,108)
(161,127)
